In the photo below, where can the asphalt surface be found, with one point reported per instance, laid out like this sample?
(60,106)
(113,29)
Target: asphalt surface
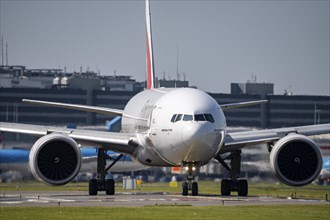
(65,199)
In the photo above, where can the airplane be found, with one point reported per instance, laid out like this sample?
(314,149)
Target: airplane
(324,177)
(170,127)
(17,159)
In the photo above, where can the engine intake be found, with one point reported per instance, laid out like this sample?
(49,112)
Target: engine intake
(55,159)
(296,160)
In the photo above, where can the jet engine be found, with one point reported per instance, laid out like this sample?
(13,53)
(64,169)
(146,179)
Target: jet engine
(296,160)
(55,159)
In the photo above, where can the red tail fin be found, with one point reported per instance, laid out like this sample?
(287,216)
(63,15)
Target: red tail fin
(150,55)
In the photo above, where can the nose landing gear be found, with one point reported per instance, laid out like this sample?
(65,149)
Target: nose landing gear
(190,183)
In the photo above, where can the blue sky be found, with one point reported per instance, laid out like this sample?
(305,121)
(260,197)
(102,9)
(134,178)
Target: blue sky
(219,42)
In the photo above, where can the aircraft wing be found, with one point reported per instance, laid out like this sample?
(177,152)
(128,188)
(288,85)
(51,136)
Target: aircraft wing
(120,142)
(238,140)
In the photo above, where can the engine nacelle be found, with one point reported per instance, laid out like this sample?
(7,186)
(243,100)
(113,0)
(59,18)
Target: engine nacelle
(296,160)
(55,159)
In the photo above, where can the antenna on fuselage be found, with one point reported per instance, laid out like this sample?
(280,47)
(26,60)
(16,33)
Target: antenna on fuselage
(150,56)
(177,64)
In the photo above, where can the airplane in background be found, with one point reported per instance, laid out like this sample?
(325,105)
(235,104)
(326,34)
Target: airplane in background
(177,127)
(324,177)
(18,159)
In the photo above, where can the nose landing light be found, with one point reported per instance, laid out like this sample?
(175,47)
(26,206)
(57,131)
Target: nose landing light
(187,168)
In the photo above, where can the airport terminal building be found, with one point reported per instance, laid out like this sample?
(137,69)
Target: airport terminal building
(281,111)
(90,88)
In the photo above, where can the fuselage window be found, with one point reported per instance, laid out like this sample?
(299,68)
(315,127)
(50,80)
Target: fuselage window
(178,118)
(187,118)
(173,118)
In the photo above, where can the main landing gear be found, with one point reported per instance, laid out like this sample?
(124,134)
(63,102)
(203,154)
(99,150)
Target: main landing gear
(100,183)
(190,184)
(233,184)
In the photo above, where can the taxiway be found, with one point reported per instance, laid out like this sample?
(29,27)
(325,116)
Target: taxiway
(80,198)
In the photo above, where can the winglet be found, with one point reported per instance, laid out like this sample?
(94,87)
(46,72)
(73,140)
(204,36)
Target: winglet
(150,56)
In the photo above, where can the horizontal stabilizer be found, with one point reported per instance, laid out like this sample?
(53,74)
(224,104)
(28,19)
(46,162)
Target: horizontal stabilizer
(242,104)
(86,108)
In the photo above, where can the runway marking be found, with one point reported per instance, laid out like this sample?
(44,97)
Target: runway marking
(32,198)
(58,200)
(95,200)
(157,199)
(9,195)
(12,202)
(37,201)
(210,198)
(124,200)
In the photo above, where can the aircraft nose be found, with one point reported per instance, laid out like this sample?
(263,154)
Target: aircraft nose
(199,142)
(192,133)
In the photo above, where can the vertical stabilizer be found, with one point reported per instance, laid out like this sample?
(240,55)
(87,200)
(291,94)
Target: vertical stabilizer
(150,55)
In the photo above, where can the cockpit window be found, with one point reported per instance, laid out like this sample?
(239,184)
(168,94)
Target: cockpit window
(173,118)
(187,118)
(199,117)
(178,118)
(204,117)
(209,118)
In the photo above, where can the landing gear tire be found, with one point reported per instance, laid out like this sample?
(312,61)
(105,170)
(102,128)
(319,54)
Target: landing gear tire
(110,187)
(184,188)
(194,189)
(226,187)
(93,187)
(242,188)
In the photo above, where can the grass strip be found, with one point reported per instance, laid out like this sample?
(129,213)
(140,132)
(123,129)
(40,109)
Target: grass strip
(268,212)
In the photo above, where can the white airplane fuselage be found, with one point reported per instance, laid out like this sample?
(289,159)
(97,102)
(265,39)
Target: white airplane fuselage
(175,126)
